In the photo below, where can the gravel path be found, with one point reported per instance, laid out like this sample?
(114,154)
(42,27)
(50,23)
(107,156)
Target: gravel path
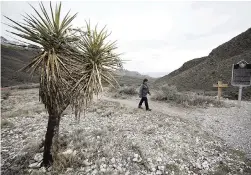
(232,124)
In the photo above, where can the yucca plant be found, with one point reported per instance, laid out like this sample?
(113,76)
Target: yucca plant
(71,68)
(99,63)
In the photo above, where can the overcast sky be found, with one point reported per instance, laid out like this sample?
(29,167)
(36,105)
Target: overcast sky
(155,36)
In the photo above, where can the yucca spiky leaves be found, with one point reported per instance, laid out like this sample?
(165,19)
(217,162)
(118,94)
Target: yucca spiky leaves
(71,70)
(99,62)
(54,63)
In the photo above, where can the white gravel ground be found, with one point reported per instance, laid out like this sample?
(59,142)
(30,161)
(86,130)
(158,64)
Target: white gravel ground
(116,138)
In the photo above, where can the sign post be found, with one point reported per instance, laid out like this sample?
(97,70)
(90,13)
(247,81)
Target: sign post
(240,93)
(220,86)
(241,76)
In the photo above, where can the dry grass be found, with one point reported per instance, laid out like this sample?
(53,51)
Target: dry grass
(80,149)
(21,161)
(170,94)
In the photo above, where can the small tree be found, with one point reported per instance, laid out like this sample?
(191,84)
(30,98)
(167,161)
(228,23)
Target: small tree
(71,67)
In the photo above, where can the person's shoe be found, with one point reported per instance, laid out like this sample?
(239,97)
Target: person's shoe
(140,107)
(149,110)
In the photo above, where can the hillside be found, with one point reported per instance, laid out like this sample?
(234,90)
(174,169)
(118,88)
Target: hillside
(202,73)
(14,58)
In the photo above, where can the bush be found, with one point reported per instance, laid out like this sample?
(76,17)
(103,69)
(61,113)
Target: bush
(122,92)
(128,90)
(171,94)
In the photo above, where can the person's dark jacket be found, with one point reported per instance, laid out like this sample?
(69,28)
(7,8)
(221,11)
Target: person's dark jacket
(144,90)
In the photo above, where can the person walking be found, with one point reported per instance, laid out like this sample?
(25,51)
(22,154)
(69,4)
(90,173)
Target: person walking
(143,91)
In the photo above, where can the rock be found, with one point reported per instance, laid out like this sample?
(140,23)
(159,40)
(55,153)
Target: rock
(158,172)
(159,159)
(198,165)
(93,167)
(197,140)
(149,159)
(43,169)
(98,111)
(49,169)
(241,170)
(161,168)
(88,169)
(95,172)
(103,166)
(102,169)
(135,159)
(153,169)
(103,159)
(34,165)
(68,151)
(86,163)
(35,172)
(106,114)
(205,165)
(69,169)
(119,168)
(38,157)
(113,160)
(136,155)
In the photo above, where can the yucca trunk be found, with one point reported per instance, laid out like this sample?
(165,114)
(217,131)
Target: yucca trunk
(52,130)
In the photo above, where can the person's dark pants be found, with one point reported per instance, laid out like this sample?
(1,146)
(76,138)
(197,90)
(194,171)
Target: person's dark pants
(144,99)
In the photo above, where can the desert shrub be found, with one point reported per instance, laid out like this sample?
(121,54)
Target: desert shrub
(199,100)
(171,94)
(128,90)
(123,92)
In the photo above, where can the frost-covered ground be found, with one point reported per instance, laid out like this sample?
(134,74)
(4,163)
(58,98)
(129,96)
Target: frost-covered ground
(116,138)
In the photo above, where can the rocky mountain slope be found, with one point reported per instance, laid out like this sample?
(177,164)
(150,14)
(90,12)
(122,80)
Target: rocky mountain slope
(14,57)
(202,73)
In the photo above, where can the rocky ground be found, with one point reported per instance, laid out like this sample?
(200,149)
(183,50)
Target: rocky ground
(115,138)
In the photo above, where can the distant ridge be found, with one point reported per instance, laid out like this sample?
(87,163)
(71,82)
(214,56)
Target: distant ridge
(202,73)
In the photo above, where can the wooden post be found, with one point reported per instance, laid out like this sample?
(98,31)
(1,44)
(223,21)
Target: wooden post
(220,86)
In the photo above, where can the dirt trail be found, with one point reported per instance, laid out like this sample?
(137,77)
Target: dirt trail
(232,124)
(164,108)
